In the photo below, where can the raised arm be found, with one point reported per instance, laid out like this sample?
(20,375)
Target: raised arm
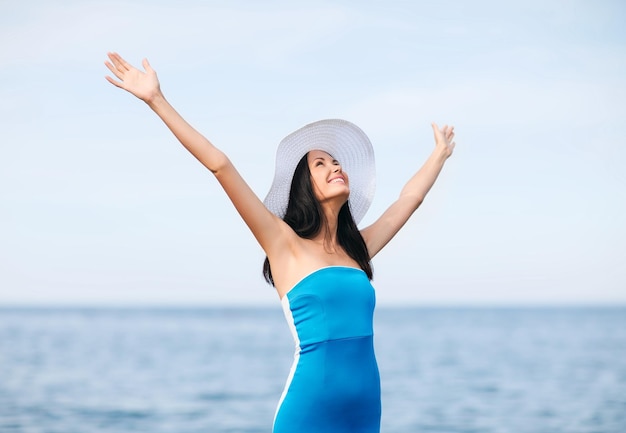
(412,195)
(266,227)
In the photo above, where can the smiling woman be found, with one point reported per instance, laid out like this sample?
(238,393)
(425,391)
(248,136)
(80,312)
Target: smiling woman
(317,258)
(306,162)
(327,170)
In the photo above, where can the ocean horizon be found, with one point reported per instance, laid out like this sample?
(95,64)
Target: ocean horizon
(177,369)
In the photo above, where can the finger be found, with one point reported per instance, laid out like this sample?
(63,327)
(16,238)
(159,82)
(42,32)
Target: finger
(119,62)
(114,70)
(110,66)
(436,131)
(115,61)
(146,65)
(124,63)
(112,81)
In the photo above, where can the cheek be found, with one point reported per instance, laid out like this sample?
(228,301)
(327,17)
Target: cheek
(346,179)
(316,188)
(318,180)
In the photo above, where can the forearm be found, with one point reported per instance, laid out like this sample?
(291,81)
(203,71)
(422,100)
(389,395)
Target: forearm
(199,146)
(418,186)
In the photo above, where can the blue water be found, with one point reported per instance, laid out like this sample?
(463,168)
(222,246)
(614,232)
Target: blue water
(223,370)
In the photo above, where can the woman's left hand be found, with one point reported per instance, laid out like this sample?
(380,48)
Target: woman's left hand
(443,139)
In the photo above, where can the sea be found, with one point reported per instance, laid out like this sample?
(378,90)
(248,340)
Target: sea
(222,370)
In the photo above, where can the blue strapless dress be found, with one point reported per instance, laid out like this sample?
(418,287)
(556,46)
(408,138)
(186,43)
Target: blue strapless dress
(334,385)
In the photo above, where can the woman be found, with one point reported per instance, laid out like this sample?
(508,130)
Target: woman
(317,259)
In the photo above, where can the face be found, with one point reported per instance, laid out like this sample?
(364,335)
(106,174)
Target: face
(329,181)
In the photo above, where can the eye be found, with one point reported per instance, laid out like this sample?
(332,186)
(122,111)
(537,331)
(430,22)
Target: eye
(318,163)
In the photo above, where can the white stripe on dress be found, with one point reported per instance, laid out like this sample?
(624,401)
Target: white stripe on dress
(296,357)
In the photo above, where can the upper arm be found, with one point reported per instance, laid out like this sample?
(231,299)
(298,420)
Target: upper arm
(268,229)
(377,235)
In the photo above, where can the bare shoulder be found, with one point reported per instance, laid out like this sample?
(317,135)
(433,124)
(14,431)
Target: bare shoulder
(301,258)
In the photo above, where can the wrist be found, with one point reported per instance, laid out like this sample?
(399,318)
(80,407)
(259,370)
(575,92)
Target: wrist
(440,154)
(155,99)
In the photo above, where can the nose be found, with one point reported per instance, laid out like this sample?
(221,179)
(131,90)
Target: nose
(337,169)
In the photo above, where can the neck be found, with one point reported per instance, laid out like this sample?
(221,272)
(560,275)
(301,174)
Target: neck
(328,232)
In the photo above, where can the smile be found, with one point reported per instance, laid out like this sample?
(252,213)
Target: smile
(337,180)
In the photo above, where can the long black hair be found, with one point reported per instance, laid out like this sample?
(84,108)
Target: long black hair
(304,215)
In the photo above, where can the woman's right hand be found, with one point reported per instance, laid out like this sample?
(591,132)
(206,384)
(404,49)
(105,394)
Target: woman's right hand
(144,85)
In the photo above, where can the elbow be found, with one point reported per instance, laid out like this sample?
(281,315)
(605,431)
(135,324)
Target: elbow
(416,203)
(219,163)
(413,201)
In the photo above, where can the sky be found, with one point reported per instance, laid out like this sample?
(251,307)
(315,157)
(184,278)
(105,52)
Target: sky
(100,205)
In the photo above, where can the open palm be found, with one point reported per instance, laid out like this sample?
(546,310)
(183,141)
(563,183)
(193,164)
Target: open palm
(443,138)
(144,85)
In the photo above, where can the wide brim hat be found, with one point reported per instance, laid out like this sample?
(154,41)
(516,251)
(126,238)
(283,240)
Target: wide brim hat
(346,143)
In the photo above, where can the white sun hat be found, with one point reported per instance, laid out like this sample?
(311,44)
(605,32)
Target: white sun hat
(345,142)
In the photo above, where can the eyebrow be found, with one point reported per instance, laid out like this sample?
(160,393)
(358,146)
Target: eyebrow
(324,158)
